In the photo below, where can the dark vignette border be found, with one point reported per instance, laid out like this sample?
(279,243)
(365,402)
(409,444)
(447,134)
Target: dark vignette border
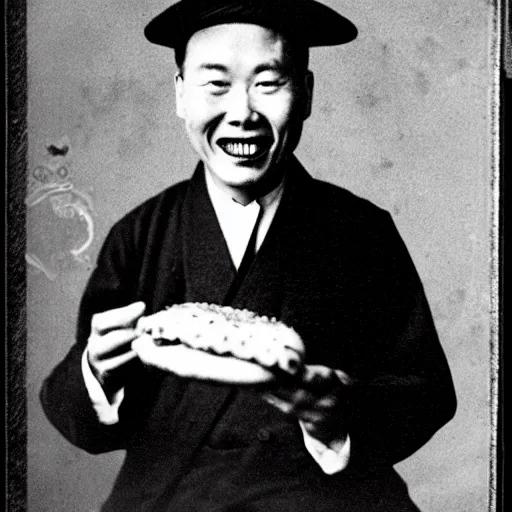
(505,163)
(15,139)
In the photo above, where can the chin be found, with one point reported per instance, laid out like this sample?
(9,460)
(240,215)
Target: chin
(241,177)
(238,174)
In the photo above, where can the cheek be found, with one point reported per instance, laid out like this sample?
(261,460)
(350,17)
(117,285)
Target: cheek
(199,112)
(284,123)
(282,115)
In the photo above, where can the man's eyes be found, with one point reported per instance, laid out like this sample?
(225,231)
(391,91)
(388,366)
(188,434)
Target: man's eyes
(219,83)
(216,87)
(264,86)
(269,85)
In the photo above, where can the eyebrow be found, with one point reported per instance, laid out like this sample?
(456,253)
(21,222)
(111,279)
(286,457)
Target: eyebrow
(214,67)
(268,66)
(272,66)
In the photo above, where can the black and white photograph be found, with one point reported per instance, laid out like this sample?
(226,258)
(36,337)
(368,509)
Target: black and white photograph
(258,255)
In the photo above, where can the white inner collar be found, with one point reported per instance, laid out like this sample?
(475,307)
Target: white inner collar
(237,221)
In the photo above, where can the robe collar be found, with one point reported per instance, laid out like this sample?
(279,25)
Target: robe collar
(208,268)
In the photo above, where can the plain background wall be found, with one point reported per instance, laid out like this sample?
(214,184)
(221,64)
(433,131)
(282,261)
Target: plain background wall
(401,116)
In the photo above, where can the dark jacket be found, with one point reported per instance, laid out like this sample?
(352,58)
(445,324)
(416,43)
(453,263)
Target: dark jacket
(333,266)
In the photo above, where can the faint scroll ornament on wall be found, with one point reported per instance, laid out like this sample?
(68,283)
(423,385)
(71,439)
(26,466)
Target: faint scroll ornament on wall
(60,227)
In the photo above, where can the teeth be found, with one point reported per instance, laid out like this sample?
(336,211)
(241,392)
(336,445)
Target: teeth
(241,149)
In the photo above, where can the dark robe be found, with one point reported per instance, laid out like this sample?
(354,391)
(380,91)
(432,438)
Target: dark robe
(332,266)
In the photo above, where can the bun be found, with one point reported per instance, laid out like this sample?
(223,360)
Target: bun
(223,343)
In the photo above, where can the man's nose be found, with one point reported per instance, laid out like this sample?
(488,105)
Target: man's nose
(240,108)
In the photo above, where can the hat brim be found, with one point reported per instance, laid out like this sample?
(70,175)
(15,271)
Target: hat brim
(306,21)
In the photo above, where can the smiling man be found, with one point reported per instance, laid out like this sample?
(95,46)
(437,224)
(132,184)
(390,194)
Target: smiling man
(243,97)
(253,230)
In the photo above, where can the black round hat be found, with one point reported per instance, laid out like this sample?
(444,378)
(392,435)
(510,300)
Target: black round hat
(306,21)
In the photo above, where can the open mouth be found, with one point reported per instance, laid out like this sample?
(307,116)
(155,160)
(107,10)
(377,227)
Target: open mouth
(248,148)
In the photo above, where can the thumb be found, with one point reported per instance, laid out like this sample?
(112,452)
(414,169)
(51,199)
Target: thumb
(117,318)
(145,348)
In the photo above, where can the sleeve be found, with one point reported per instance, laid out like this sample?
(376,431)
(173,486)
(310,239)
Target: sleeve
(64,395)
(107,411)
(331,459)
(410,395)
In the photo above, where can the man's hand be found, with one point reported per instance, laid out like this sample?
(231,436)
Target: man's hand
(109,345)
(318,401)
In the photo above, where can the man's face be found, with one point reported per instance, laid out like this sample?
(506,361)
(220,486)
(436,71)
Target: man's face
(243,102)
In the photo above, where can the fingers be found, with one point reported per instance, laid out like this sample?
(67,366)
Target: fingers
(316,372)
(317,401)
(197,364)
(312,399)
(302,404)
(320,418)
(295,396)
(307,391)
(107,366)
(315,381)
(112,332)
(124,317)
(320,380)
(320,430)
(110,352)
(109,345)
(144,347)
(283,405)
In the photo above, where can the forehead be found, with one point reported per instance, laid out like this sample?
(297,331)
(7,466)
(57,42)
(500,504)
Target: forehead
(234,42)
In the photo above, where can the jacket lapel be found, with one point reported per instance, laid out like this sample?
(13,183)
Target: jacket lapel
(208,268)
(208,273)
(262,289)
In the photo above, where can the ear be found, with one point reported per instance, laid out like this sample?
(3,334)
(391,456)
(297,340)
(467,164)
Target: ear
(309,84)
(178,86)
